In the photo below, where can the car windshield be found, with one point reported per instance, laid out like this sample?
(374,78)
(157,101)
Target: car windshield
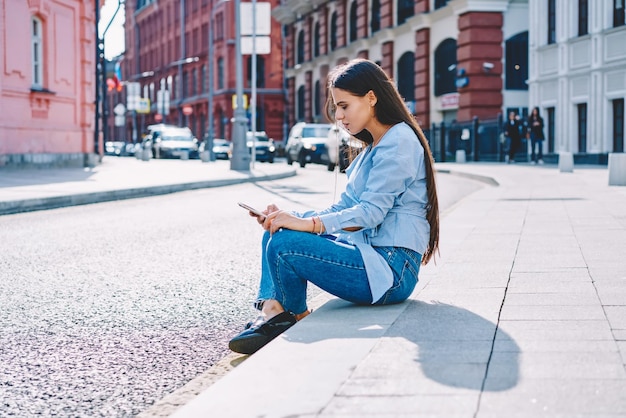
(314,131)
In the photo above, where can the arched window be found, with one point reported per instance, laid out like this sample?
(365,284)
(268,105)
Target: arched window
(333,31)
(300,48)
(301,103)
(406,76)
(516,64)
(445,67)
(375,22)
(316,40)
(260,71)
(406,9)
(37,51)
(353,22)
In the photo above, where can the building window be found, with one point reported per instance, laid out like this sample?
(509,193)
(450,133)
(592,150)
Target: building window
(582,127)
(353,22)
(551,122)
(37,52)
(300,48)
(618,125)
(618,13)
(551,21)
(301,103)
(333,31)
(203,79)
(185,92)
(220,73)
(375,23)
(516,63)
(583,17)
(317,102)
(440,3)
(406,76)
(406,9)
(316,40)
(445,67)
(260,71)
(194,82)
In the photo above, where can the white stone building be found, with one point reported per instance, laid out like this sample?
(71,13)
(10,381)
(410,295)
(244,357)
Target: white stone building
(577,75)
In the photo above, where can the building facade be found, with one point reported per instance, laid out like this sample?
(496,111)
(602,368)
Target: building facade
(168,50)
(578,75)
(47,85)
(452,60)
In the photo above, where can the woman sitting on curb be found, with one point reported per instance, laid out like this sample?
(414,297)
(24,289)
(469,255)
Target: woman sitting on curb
(368,247)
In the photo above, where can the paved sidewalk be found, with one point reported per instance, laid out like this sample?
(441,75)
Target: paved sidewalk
(523,315)
(23,190)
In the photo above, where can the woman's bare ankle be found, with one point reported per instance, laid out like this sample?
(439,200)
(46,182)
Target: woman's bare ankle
(271,308)
(303,315)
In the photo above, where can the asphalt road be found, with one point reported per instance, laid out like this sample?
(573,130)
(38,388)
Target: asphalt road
(107,308)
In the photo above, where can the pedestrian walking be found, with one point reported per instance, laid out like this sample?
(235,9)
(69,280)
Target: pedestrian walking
(368,247)
(535,131)
(512,134)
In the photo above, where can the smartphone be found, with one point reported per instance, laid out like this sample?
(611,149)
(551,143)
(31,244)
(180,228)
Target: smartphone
(251,209)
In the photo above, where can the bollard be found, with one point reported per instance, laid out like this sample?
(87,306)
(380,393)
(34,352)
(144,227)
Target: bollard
(566,162)
(617,169)
(205,156)
(460,156)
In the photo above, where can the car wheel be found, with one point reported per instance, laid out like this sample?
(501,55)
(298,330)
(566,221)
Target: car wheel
(289,160)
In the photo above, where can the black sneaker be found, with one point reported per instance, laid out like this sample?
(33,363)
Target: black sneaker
(261,333)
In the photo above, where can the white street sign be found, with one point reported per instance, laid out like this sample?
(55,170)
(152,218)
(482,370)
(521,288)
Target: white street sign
(263,18)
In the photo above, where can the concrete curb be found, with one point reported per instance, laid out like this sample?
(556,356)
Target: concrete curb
(55,202)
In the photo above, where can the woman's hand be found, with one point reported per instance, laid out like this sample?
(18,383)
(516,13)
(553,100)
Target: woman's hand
(283,219)
(270,208)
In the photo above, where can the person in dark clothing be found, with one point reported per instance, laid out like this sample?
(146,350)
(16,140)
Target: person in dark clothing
(512,134)
(535,131)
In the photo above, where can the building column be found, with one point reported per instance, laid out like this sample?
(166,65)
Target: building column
(422,77)
(480,41)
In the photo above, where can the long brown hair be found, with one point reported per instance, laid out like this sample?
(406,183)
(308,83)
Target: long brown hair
(358,77)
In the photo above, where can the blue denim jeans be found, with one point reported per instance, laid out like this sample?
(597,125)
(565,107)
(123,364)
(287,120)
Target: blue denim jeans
(291,259)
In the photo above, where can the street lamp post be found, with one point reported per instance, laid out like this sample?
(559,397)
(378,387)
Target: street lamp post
(241,158)
(208,149)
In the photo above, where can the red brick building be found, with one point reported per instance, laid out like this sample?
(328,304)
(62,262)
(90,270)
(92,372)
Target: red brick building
(447,57)
(167,48)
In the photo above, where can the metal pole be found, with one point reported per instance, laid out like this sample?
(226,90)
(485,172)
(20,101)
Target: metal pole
(241,157)
(181,61)
(97,98)
(211,63)
(253,86)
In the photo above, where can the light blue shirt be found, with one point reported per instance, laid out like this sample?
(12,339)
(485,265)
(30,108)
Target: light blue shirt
(386,196)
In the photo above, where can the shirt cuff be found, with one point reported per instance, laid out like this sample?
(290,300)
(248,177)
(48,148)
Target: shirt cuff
(331,223)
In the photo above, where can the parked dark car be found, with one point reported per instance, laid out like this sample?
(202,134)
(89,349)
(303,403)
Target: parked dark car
(265,150)
(307,143)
